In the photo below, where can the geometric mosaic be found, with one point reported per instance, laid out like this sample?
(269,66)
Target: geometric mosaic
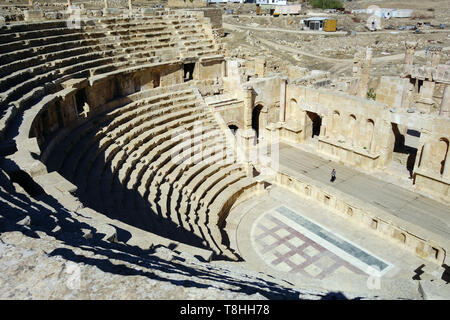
(287,246)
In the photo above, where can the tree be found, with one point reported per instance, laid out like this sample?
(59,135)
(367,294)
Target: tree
(326,4)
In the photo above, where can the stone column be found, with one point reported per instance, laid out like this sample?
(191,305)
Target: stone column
(386,143)
(363,82)
(424,163)
(408,93)
(409,55)
(224,68)
(248,107)
(106,4)
(435,55)
(356,64)
(130,6)
(445,103)
(373,144)
(247,134)
(322,128)
(69,3)
(283,99)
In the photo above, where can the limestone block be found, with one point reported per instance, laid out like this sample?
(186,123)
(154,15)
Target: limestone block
(56,180)
(53,15)
(25,221)
(33,15)
(112,12)
(95,13)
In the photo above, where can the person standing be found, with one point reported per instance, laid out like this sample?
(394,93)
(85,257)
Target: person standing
(333,175)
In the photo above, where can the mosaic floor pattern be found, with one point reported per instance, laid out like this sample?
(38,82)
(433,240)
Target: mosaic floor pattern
(289,242)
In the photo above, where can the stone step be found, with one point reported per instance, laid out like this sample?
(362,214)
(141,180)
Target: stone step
(215,211)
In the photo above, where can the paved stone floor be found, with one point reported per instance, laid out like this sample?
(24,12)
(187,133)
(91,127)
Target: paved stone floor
(292,238)
(286,249)
(403,203)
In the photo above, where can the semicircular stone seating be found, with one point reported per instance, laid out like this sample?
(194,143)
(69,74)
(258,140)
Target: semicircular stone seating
(35,58)
(161,156)
(157,162)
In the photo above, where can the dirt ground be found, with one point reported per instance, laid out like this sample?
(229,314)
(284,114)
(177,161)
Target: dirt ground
(249,34)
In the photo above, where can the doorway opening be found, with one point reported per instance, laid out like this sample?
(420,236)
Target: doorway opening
(80,100)
(405,147)
(256,113)
(316,122)
(189,71)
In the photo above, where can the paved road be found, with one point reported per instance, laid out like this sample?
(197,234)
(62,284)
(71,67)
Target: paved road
(407,205)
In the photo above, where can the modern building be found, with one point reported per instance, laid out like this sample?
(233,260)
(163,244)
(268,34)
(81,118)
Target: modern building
(320,24)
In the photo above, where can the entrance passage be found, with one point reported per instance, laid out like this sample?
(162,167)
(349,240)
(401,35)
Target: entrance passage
(315,121)
(405,147)
(189,71)
(256,113)
(80,99)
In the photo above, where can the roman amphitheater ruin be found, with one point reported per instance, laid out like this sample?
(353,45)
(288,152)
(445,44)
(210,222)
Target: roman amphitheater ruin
(136,141)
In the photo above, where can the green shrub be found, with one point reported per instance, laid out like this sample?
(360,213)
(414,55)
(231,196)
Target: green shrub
(371,95)
(326,4)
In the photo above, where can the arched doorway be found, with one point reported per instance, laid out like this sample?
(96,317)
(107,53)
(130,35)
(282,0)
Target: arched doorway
(256,113)
(336,122)
(293,111)
(316,121)
(351,128)
(370,128)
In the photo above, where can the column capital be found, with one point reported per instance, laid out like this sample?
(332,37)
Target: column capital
(410,44)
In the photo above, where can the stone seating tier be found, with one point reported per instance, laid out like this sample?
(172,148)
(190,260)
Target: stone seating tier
(126,152)
(132,148)
(36,61)
(139,125)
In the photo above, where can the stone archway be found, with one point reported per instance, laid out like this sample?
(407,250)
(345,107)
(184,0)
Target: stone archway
(293,111)
(370,130)
(313,124)
(336,122)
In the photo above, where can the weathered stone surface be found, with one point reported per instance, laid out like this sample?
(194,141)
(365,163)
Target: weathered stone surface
(434,290)
(99,209)
(36,269)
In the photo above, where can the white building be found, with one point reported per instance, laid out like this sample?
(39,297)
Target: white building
(275,2)
(386,13)
(217,1)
